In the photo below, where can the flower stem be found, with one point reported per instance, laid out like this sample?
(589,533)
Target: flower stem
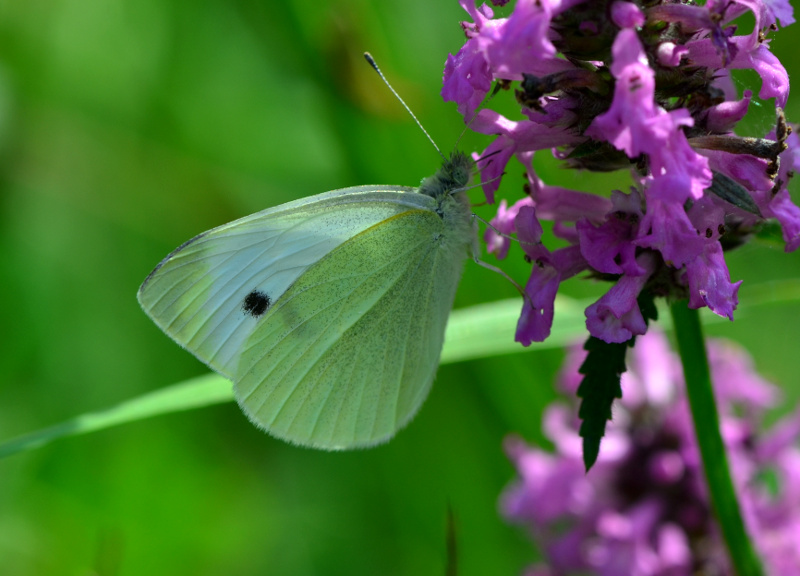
(706,423)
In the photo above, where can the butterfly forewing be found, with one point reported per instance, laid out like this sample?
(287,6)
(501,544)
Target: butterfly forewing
(210,293)
(347,355)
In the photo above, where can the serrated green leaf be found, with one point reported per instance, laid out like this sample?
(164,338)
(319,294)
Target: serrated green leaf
(600,386)
(602,370)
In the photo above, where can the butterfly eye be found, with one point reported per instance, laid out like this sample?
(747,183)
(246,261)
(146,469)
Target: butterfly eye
(256,303)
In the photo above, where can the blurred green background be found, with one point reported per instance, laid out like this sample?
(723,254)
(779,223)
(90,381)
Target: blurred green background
(127,127)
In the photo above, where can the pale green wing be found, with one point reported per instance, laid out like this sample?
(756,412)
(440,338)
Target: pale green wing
(347,355)
(197,293)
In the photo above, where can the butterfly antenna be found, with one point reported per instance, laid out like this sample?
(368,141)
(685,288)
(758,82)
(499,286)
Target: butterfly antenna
(374,65)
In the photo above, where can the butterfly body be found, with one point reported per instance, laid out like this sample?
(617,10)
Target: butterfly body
(327,313)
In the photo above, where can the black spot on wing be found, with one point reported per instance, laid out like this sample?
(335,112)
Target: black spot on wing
(256,303)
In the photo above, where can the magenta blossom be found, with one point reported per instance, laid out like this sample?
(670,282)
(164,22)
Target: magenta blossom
(639,86)
(644,509)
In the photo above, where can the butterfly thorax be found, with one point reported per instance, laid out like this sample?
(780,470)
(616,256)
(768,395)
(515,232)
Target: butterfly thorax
(454,175)
(447,188)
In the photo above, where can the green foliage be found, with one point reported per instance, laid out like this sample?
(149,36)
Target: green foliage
(126,127)
(602,369)
(702,403)
(734,193)
(468,330)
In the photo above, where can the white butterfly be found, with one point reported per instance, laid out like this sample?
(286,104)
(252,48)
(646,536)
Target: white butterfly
(327,313)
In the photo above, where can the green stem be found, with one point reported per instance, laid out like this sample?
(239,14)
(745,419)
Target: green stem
(706,423)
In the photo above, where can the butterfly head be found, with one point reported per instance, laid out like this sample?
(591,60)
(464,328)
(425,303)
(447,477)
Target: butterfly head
(454,175)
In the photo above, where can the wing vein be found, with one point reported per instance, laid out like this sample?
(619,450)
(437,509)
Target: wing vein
(313,364)
(399,379)
(329,305)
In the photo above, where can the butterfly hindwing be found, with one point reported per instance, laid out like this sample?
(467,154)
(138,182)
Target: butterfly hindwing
(347,355)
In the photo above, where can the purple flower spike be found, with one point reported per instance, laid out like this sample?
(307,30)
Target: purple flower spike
(670,54)
(781,10)
(749,51)
(466,79)
(521,43)
(631,122)
(667,228)
(609,248)
(538,309)
(626,15)
(710,283)
(616,316)
(518,138)
(642,87)
(481,17)
(547,273)
(724,116)
(780,206)
(496,238)
(788,214)
(643,510)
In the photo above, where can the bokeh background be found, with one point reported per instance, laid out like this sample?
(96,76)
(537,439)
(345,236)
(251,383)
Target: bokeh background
(127,127)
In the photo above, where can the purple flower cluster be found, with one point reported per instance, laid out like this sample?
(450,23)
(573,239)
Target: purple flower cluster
(642,86)
(644,509)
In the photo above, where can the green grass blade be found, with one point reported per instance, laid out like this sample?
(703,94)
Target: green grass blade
(195,393)
(488,330)
(476,332)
